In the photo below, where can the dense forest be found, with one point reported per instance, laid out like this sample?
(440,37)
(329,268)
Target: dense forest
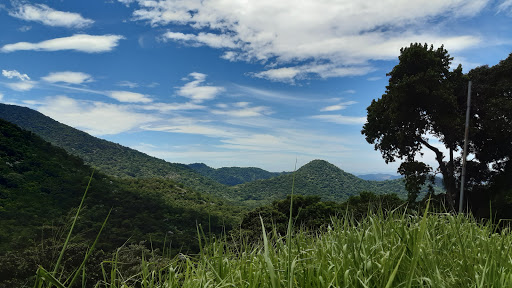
(233,175)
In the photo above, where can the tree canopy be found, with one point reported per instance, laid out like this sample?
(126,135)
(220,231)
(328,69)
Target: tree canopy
(423,108)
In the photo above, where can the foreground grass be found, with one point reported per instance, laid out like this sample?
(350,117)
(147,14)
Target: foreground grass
(399,250)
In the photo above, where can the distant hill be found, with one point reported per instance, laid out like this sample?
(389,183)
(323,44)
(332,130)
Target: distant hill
(319,178)
(379,177)
(233,175)
(110,158)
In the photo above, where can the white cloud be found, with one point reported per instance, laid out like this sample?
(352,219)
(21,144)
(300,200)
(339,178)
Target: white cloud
(374,78)
(48,16)
(209,39)
(130,97)
(341,119)
(197,91)
(205,130)
(290,74)
(68,77)
(167,107)
(1,96)
(15,74)
(126,2)
(331,38)
(128,84)
(22,85)
(78,42)
(241,109)
(96,118)
(340,106)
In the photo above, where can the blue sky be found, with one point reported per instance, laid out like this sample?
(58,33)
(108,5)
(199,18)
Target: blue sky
(230,82)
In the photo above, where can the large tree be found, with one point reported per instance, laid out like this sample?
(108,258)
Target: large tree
(423,108)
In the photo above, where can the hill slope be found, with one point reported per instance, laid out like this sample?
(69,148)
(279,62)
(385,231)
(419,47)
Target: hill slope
(319,178)
(108,157)
(233,175)
(40,184)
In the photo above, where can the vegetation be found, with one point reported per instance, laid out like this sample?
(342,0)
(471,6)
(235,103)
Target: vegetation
(393,250)
(41,184)
(233,175)
(424,99)
(108,157)
(317,178)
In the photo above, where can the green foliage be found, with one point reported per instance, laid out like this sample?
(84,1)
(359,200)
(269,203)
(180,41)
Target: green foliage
(317,178)
(233,175)
(312,214)
(108,157)
(41,184)
(423,98)
(396,250)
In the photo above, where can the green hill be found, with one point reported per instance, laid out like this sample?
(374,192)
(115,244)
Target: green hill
(233,175)
(110,158)
(319,178)
(41,184)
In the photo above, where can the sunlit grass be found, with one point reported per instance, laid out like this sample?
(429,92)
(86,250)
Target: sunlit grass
(434,250)
(392,249)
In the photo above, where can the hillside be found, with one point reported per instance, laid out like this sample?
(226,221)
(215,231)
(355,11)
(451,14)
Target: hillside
(233,175)
(319,178)
(110,158)
(41,184)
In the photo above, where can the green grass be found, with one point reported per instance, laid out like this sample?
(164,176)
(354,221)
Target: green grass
(400,250)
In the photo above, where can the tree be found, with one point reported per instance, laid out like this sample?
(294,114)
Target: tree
(423,102)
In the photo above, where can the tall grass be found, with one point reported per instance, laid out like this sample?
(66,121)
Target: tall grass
(399,250)
(392,249)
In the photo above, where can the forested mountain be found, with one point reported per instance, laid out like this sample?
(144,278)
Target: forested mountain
(379,177)
(110,158)
(319,178)
(233,175)
(40,185)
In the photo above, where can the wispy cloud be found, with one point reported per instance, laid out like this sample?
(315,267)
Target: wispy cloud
(15,74)
(48,16)
(96,118)
(197,91)
(340,106)
(78,42)
(25,84)
(129,97)
(68,77)
(341,119)
(241,109)
(128,84)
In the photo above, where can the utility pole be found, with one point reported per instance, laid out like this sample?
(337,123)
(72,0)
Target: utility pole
(465,153)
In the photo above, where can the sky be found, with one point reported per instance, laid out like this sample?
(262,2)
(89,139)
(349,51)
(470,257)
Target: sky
(247,83)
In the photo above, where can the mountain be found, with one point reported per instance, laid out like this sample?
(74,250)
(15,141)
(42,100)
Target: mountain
(110,158)
(233,175)
(319,178)
(40,185)
(379,177)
